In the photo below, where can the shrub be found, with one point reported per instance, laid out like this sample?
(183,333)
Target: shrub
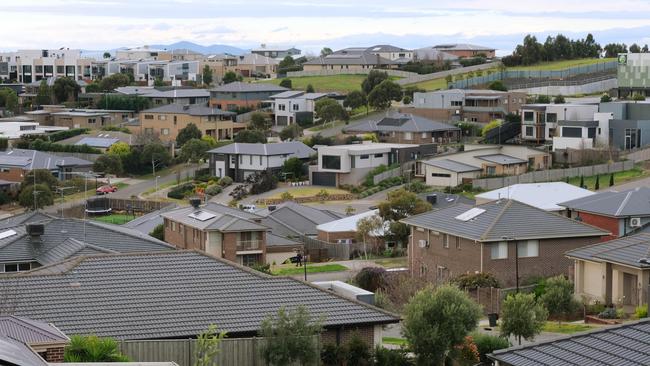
(416,187)
(286,196)
(4,198)
(225,181)
(333,355)
(93,349)
(641,311)
(371,278)
(262,267)
(358,351)
(181,191)
(595,309)
(473,280)
(609,313)
(391,357)
(213,190)
(487,344)
(621,314)
(158,232)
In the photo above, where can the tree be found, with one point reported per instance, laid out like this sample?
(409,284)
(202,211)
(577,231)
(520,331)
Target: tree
(605,98)
(119,148)
(635,48)
(123,102)
(613,49)
(558,297)
(65,89)
(497,85)
(638,97)
(208,346)
(207,75)
(109,164)
(329,110)
(407,100)
(490,126)
(356,99)
(286,62)
(155,152)
(559,99)
(43,176)
(107,55)
(597,185)
(290,337)
(231,77)
(259,122)
(326,51)
(187,133)
(250,136)
(210,140)
(294,168)
(383,94)
(112,82)
(44,196)
(436,320)
(582,181)
(410,90)
(286,83)
(9,100)
(542,99)
(194,150)
(522,316)
(611,180)
(401,204)
(310,89)
(93,349)
(158,232)
(290,132)
(369,226)
(374,78)
(43,97)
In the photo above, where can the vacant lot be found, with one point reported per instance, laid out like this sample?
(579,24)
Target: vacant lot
(330,83)
(309,191)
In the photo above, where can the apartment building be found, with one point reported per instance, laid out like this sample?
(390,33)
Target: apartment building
(295,106)
(147,70)
(142,53)
(27,66)
(539,122)
(481,106)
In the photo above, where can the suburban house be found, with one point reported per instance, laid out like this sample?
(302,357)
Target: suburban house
(621,213)
(167,120)
(80,118)
(614,272)
(390,52)
(539,122)
(349,164)
(466,105)
(507,238)
(13,129)
(32,240)
(101,140)
(16,163)
(477,161)
(278,53)
(177,295)
(27,340)
(433,55)
(218,230)
(220,64)
(466,50)
(407,129)
(439,200)
(624,344)
(296,106)
(239,160)
(344,231)
(256,65)
(545,196)
(180,96)
(349,60)
(236,95)
(629,127)
(293,220)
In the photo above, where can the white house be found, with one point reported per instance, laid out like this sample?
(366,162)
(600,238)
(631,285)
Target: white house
(295,106)
(545,196)
(539,122)
(12,130)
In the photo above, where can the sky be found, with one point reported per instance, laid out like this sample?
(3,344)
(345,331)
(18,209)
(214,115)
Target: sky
(311,25)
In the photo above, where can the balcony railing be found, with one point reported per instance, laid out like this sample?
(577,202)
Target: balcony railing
(248,245)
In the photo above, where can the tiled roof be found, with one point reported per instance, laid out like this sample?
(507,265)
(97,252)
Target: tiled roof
(241,87)
(30,331)
(623,345)
(501,159)
(33,159)
(293,219)
(401,123)
(633,202)
(354,58)
(631,250)
(292,148)
(462,47)
(216,217)
(173,294)
(146,223)
(192,110)
(503,219)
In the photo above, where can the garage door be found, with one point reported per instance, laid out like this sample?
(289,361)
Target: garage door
(323,179)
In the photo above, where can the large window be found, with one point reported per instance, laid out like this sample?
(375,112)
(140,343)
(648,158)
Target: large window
(529,116)
(551,117)
(529,131)
(499,250)
(331,162)
(571,132)
(528,248)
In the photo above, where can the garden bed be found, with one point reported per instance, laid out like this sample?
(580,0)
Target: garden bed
(592,319)
(306,199)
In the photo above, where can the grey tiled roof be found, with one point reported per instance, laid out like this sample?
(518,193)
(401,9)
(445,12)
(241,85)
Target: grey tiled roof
(241,87)
(146,223)
(223,218)
(444,200)
(462,47)
(178,93)
(623,345)
(452,165)
(29,331)
(633,202)
(273,240)
(173,294)
(192,110)
(501,159)
(505,218)
(24,218)
(292,148)
(293,219)
(401,123)
(626,250)
(365,58)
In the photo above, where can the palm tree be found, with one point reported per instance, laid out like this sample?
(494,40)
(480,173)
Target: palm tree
(93,349)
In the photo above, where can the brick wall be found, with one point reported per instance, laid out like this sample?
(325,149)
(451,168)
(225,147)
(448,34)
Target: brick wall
(606,223)
(54,354)
(367,334)
(13,175)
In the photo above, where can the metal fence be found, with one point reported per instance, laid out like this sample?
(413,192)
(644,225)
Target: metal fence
(234,352)
(552,175)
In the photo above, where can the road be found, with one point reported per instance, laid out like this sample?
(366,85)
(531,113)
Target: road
(645,182)
(142,186)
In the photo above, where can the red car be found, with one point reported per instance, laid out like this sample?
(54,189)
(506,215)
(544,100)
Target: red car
(106,189)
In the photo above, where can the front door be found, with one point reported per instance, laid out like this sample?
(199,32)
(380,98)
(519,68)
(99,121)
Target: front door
(630,293)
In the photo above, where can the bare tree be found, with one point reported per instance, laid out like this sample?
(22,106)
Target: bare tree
(369,226)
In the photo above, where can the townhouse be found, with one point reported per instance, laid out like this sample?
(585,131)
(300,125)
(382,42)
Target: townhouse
(236,95)
(27,66)
(407,128)
(541,122)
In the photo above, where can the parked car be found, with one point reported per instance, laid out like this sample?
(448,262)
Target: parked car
(248,208)
(106,189)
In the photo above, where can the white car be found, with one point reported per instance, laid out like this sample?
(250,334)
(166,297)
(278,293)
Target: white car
(248,208)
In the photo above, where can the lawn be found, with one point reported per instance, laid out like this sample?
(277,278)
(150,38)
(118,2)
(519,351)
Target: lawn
(394,341)
(619,178)
(329,83)
(431,84)
(291,269)
(326,126)
(565,328)
(309,191)
(118,219)
(561,65)
(393,262)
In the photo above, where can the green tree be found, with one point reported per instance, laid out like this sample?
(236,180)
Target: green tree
(290,337)
(43,176)
(231,77)
(401,204)
(286,62)
(326,51)
(407,99)
(44,196)
(605,98)
(286,83)
(107,55)
(109,164)
(310,89)
(123,102)
(638,97)
(356,99)
(374,78)
(329,110)
(611,180)
(207,75)
(358,352)
(635,48)
(436,320)
(497,85)
(542,99)
(490,126)
(65,89)
(366,227)
(210,140)
(93,349)
(582,181)
(559,99)
(194,150)
(44,96)
(187,133)
(290,132)
(119,148)
(558,297)
(382,95)
(260,122)
(157,153)
(208,346)
(522,316)
(597,185)
(112,82)
(250,136)
(449,79)
(294,168)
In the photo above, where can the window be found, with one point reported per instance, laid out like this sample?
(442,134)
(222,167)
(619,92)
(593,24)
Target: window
(92,120)
(491,170)
(379,155)
(148,116)
(250,259)
(408,135)
(456,103)
(424,135)
(164,131)
(282,107)
(529,131)
(162,117)
(148,131)
(241,159)
(528,248)
(59,69)
(363,157)
(442,175)
(175,118)
(445,241)
(295,107)
(499,250)
(233,160)
(551,117)
(458,242)
(529,116)
(423,270)
(331,162)
(474,119)
(260,159)
(571,132)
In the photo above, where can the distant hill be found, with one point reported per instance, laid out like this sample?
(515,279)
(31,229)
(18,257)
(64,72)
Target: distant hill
(211,49)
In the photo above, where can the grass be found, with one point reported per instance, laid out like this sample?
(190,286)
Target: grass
(619,178)
(309,192)
(434,84)
(561,65)
(565,328)
(330,83)
(326,126)
(118,219)
(394,341)
(291,269)
(397,262)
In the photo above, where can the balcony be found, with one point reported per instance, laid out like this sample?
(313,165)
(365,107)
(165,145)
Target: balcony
(246,245)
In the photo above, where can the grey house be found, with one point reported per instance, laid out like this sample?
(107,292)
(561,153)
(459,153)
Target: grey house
(629,127)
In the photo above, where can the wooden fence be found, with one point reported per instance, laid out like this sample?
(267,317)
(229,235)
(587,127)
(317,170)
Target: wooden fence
(321,251)
(234,352)
(135,206)
(490,298)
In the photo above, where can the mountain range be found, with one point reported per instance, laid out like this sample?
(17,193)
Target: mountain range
(207,50)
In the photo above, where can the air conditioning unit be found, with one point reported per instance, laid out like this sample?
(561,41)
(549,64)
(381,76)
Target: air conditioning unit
(424,243)
(635,222)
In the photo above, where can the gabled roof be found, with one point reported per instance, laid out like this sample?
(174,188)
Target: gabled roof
(386,48)
(174,294)
(178,93)
(633,202)
(541,195)
(146,223)
(349,223)
(241,87)
(353,58)
(292,219)
(494,221)
(19,354)
(433,54)
(33,159)
(24,218)
(625,344)
(192,110)
(273,240)
(292,148)
(30,331)
(214,216)
(462,47)
(444,200)
(401,123)
(629,250)
(452,165)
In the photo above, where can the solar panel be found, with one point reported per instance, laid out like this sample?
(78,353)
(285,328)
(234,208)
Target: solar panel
(201,215)
(470,214)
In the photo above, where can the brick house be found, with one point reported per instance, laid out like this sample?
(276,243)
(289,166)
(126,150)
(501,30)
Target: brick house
(233,96)
(344,231)
(16,163)
(621,213)
(504,238)
(38,338)
(409,129)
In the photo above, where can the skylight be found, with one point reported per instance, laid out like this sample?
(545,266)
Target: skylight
(201,215)
(470,214)
(6,234)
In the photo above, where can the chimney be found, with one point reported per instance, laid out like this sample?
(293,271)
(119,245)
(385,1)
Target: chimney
(432,198)
(195,202)
(35,231)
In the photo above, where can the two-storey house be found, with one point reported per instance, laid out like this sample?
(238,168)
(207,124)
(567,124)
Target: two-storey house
(295,106)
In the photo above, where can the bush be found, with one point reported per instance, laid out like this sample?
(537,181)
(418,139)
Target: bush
(497,85)
(225,181)
(416,186)
(609,313)
(333,355)
(181,191)
(641,311)
(371,278)
(358,351)
(213,190)
(286,196)
(594,309)
(391,357)
(492,125)
(158,232)
(487,344)
(473,280)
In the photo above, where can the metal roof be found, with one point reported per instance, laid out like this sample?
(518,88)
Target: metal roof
(401,123)
(349,223)
(101,142)
(292,148)
(501,159)
(30,331)
(633,202)
(33,159)
(173,294)
(503,219)
(192,110)
(462,47)
(628,250)
(541,195)
(623,345)
(452,165)
(19,354)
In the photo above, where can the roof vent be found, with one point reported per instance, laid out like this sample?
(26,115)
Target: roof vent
(644,260)
(271,208)
(35,230)
(195,202)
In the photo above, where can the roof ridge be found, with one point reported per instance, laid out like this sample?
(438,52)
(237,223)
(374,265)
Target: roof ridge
(129,232)
(496,219)
(628,195)
(605,242)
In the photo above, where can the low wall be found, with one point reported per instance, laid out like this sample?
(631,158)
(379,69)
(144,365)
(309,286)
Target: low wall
(589,88)
(331,197)
(639,155)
